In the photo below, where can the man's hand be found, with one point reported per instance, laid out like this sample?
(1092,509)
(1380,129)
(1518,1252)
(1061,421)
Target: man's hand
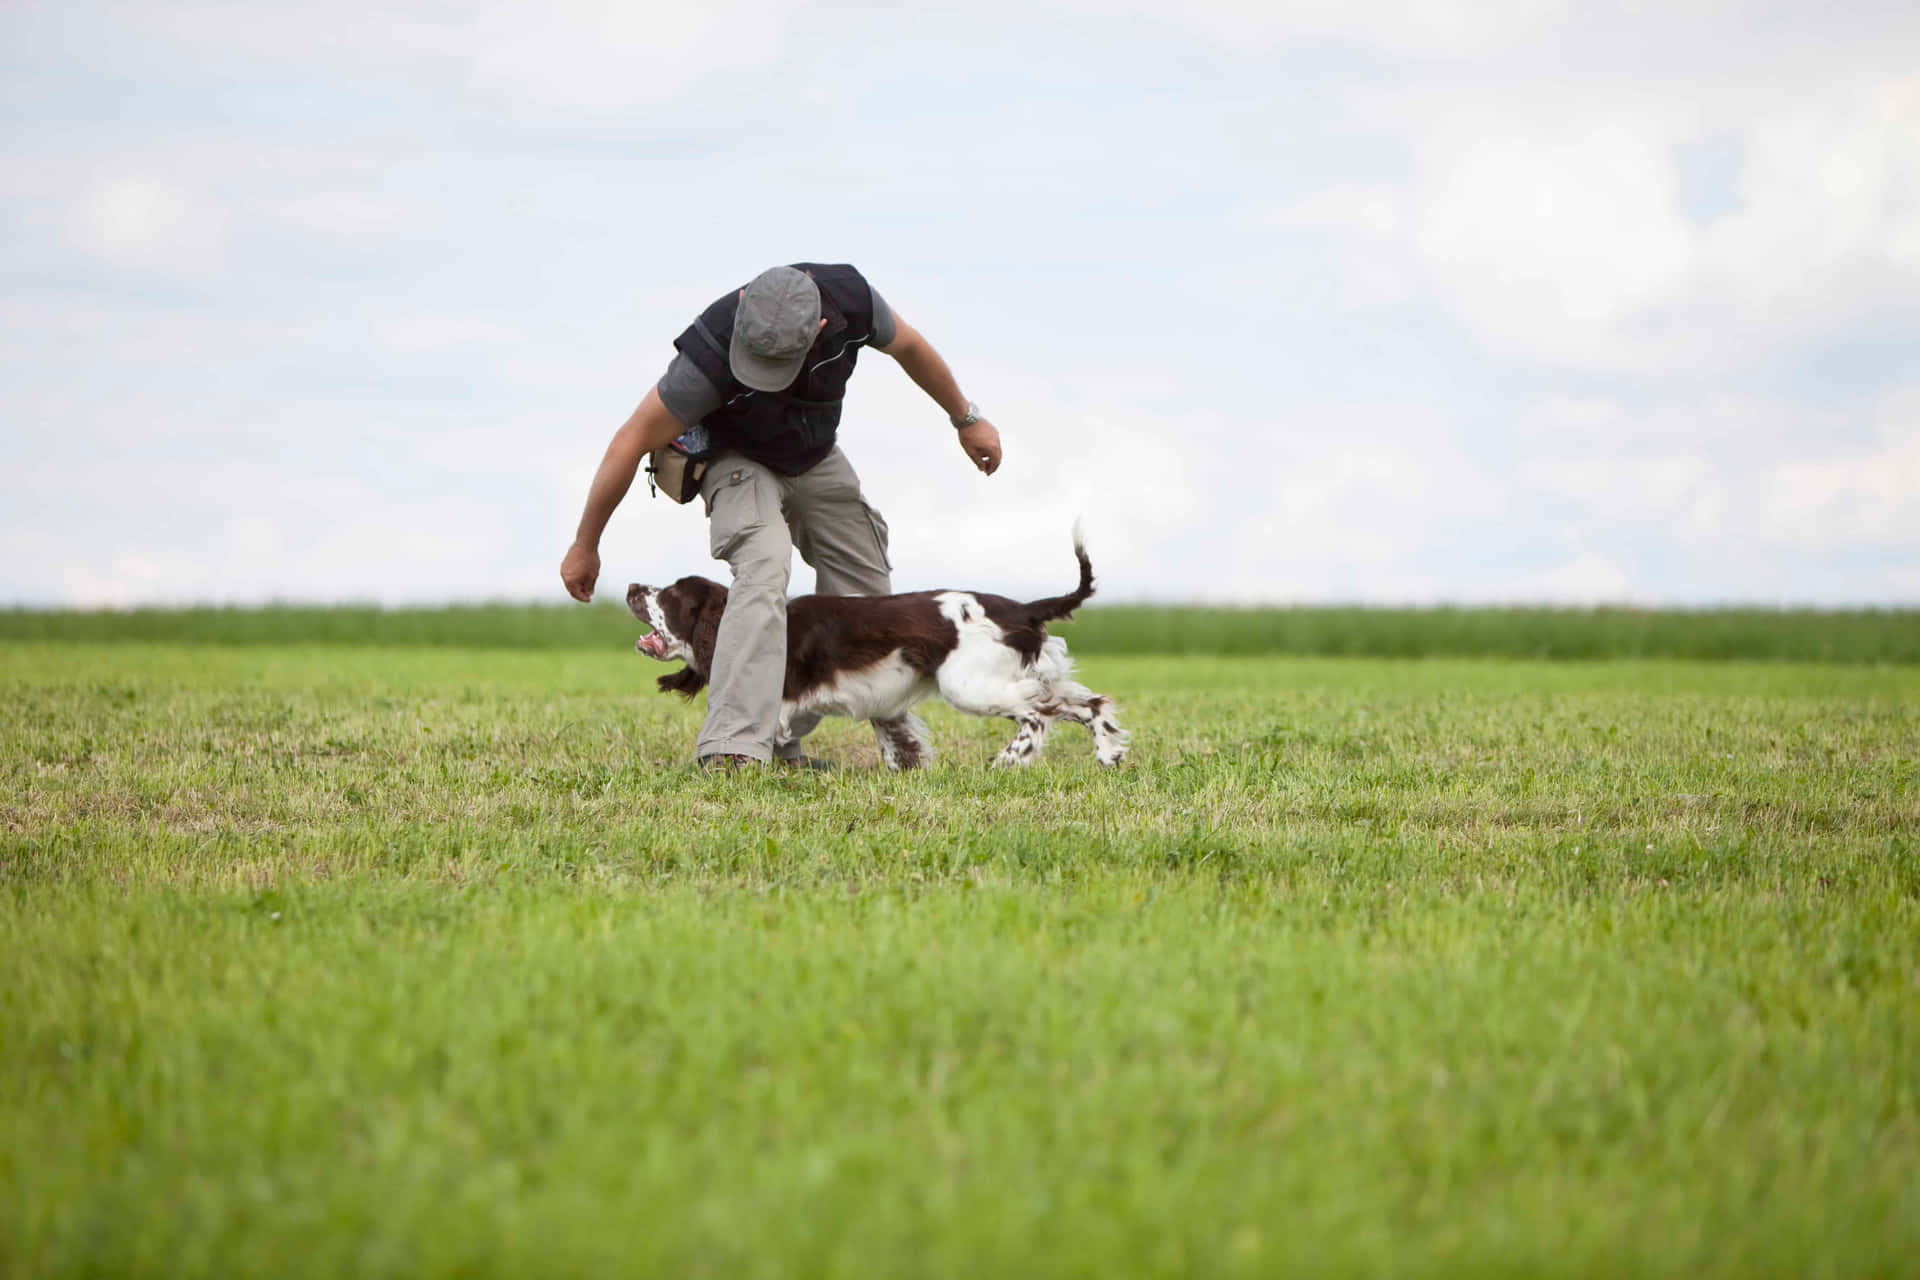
(580,570)
(982,444)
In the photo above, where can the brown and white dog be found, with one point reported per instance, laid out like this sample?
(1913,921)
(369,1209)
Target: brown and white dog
(875,657)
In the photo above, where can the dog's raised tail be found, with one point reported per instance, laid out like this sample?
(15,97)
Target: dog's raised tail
(1040,611)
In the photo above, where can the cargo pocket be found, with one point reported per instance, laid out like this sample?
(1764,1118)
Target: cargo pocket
(733,509)
(879,526)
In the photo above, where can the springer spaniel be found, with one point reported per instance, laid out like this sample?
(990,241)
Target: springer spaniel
(875,657)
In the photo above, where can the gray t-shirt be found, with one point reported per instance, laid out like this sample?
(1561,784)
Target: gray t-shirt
(689,397)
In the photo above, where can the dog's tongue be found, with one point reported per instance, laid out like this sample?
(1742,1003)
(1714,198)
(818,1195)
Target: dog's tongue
(650,644)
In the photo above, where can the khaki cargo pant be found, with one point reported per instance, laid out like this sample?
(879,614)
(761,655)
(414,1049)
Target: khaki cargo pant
(756,519)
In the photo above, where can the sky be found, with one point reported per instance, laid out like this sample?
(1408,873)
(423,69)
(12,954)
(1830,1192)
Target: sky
(1403,302)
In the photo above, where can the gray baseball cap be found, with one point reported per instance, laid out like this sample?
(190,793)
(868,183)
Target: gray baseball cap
(774,328)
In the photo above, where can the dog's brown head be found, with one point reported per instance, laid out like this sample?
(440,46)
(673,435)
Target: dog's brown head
(685,618)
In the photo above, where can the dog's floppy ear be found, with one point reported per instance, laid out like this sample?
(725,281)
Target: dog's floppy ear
(708,603)
(686,682)
(706,626)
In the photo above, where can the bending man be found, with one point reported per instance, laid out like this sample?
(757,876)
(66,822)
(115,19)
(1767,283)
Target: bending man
(764,371)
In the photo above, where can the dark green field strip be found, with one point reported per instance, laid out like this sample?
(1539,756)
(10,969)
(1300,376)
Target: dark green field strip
(1861,636)
(1710,634)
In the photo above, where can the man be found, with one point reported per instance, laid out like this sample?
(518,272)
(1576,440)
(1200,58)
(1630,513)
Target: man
(764,371)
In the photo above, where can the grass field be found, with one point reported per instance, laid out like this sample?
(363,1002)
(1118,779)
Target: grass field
(355,960)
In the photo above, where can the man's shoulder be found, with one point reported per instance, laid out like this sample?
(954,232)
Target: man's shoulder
(719,312)
(688,391)
(843,276)
(842,282)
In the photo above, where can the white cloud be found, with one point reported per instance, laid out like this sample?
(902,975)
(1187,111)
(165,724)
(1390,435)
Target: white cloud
(1362,210)
(1587,579)
(149,224)
(1825,183)
(1440,29)
(1566,240)
(1552,243)
(1654,486)
(593,57)
(604,56)
(349,214)
(1868,499)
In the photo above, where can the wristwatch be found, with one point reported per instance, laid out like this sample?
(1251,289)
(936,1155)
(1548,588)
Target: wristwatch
(972,416)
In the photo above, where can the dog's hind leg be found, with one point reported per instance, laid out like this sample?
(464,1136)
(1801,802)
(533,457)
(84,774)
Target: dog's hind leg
(1026,744)
(1094,710)
(1000,689)
(904,742)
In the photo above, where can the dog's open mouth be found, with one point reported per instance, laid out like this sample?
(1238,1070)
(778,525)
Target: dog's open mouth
(653,644)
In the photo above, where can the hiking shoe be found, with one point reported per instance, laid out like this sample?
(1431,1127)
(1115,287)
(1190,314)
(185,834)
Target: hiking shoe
(724,763)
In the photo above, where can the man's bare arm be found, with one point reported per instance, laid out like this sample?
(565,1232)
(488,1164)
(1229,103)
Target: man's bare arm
(650,427)
(980,441)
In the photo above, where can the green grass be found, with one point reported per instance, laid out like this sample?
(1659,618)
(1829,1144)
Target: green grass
(401,961)
(1775,635)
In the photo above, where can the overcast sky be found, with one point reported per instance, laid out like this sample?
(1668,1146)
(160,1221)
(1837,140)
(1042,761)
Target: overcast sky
(1328,301)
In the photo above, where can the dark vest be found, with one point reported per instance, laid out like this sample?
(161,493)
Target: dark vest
(790,430)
